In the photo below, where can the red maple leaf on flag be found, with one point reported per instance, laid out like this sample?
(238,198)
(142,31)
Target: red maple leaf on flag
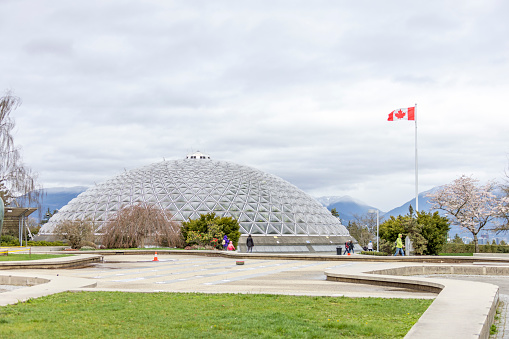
(400,114)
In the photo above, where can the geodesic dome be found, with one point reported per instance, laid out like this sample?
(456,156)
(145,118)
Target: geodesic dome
(263,204)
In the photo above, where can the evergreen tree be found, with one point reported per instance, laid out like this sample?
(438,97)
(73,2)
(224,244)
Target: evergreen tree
(207,227)
(457,239)
(428,231)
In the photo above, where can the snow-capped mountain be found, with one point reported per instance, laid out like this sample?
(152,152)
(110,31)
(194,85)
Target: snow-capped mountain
(346,206)
(424,205)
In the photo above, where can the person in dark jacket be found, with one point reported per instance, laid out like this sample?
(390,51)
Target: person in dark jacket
(347,247)
(351,246)
(249,244)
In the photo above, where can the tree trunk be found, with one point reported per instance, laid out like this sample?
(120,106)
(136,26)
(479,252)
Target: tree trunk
(476,244)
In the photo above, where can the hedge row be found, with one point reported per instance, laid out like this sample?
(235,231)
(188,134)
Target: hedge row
(9,240)
(374,253)
(469,248)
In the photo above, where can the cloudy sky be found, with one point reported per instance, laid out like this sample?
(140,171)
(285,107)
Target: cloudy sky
(300,89)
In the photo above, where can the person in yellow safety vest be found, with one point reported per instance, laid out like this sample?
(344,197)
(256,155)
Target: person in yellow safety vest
(399,245)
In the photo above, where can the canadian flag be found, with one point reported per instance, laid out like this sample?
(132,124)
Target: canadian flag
(402,114)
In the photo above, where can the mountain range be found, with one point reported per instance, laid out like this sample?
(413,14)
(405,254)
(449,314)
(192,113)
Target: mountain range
(348,207)
(55,198)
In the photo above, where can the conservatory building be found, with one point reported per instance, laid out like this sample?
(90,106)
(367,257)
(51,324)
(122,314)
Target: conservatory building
(279,216)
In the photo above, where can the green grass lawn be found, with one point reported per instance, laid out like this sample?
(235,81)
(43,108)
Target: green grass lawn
(458,254)
(23,256)
(192,315)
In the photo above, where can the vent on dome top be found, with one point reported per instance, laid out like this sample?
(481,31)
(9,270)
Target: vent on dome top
(197,155)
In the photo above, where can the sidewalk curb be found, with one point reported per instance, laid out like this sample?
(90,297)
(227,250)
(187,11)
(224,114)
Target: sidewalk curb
(462,309)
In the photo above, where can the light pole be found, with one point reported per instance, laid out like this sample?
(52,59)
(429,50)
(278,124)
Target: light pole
(377,225)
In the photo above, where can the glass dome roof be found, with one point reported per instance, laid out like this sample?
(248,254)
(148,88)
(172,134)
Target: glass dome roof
(263,204)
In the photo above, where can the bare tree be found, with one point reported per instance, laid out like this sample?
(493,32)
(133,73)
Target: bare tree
(78,232)
(360,232)
(368,220)
(133,226)
(18,183)
(363,228)
(469,205)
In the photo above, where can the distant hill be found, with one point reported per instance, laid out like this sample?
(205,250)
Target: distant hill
(346,206)
(403,209)
(55,198)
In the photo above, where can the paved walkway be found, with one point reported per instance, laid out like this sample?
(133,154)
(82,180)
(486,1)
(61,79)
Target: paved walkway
(174,273)
(7,288)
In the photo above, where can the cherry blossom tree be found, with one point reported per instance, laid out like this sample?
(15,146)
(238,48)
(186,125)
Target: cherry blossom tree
(504,209)
(470,205)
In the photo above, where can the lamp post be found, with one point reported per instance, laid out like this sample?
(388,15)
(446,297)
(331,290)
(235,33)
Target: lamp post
(377,226)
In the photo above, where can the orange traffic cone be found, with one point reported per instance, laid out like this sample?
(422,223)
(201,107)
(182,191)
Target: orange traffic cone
(155,257)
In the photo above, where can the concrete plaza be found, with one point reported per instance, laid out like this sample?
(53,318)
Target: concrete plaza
(461,309)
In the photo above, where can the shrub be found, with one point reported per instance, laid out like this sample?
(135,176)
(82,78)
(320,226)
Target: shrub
(386,246)
(76,232)
(428,232)
(470,248)
(135,225)
(198,247)
(9,240)
(374,253)
(209,230)
(45,243)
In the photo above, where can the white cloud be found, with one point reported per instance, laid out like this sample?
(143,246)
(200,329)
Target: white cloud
(296,88)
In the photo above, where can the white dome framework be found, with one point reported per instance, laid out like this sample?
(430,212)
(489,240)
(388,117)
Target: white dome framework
(262,203)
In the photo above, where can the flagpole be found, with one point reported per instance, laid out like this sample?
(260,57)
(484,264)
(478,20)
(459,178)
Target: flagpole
(416,165)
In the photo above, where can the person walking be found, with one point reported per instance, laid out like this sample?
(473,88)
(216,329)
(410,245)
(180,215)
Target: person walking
(225,242)
(347,248)
(370,246)
(249,244)
(230,246)
(399,245)
(351,246)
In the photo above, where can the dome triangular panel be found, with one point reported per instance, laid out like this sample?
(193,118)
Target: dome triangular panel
(287,230)
(258,229)
(272,230)
(301,229)
(187,207)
